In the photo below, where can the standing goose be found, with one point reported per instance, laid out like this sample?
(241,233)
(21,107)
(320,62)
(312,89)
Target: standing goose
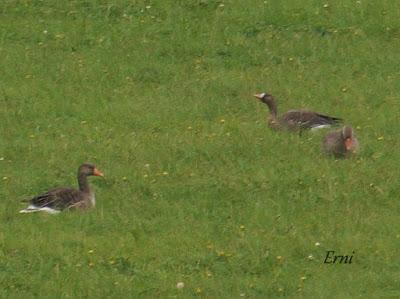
(340,143)
(295,119)
(58,199)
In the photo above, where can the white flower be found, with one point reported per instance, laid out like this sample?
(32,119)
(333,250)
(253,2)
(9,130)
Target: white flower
(180,285)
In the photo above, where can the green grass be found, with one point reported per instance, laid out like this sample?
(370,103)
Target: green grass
(140,88)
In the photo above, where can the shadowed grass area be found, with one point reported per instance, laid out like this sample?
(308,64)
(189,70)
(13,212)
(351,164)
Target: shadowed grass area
(158,94)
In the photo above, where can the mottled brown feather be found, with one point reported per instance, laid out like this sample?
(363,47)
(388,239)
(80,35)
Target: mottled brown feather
(64,197)
(295,119)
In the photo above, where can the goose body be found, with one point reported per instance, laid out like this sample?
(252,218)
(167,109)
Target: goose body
(55,200)
(295,120)
(340,143)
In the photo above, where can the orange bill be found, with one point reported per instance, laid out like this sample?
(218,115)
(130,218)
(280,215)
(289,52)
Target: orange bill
(97,172)
(348,143)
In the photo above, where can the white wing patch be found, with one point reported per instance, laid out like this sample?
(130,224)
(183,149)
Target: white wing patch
(33,209)
(315,128)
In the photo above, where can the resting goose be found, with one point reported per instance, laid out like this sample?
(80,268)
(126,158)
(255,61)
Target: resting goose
(58,199)
(340,143)
(295,119)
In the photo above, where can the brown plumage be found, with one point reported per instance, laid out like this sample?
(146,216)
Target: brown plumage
(55,200)
(340,143)
(295,120)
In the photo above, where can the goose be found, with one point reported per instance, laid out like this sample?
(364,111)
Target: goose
(340,143)
(295,120)
(55,200)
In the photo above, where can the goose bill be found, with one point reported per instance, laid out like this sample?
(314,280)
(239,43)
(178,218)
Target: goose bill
(97,172)
(348,143)
(259,95)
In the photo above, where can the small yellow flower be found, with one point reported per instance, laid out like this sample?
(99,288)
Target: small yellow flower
(291,58)
(124,178)
(221,253)
(1,158)
(222,121)
(90,251)
(326,5)
(344,89)
(189,128)
(145,175)
(31,136)
(180,285)
(280,290)
(198,290)
(165,173)
(279,258)
(91,264)
(5,178)
(317,244)
(242,227)
(380,138)
(303,278)
(111,262)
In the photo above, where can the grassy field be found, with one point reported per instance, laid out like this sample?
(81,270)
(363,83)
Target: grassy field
(158,94)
